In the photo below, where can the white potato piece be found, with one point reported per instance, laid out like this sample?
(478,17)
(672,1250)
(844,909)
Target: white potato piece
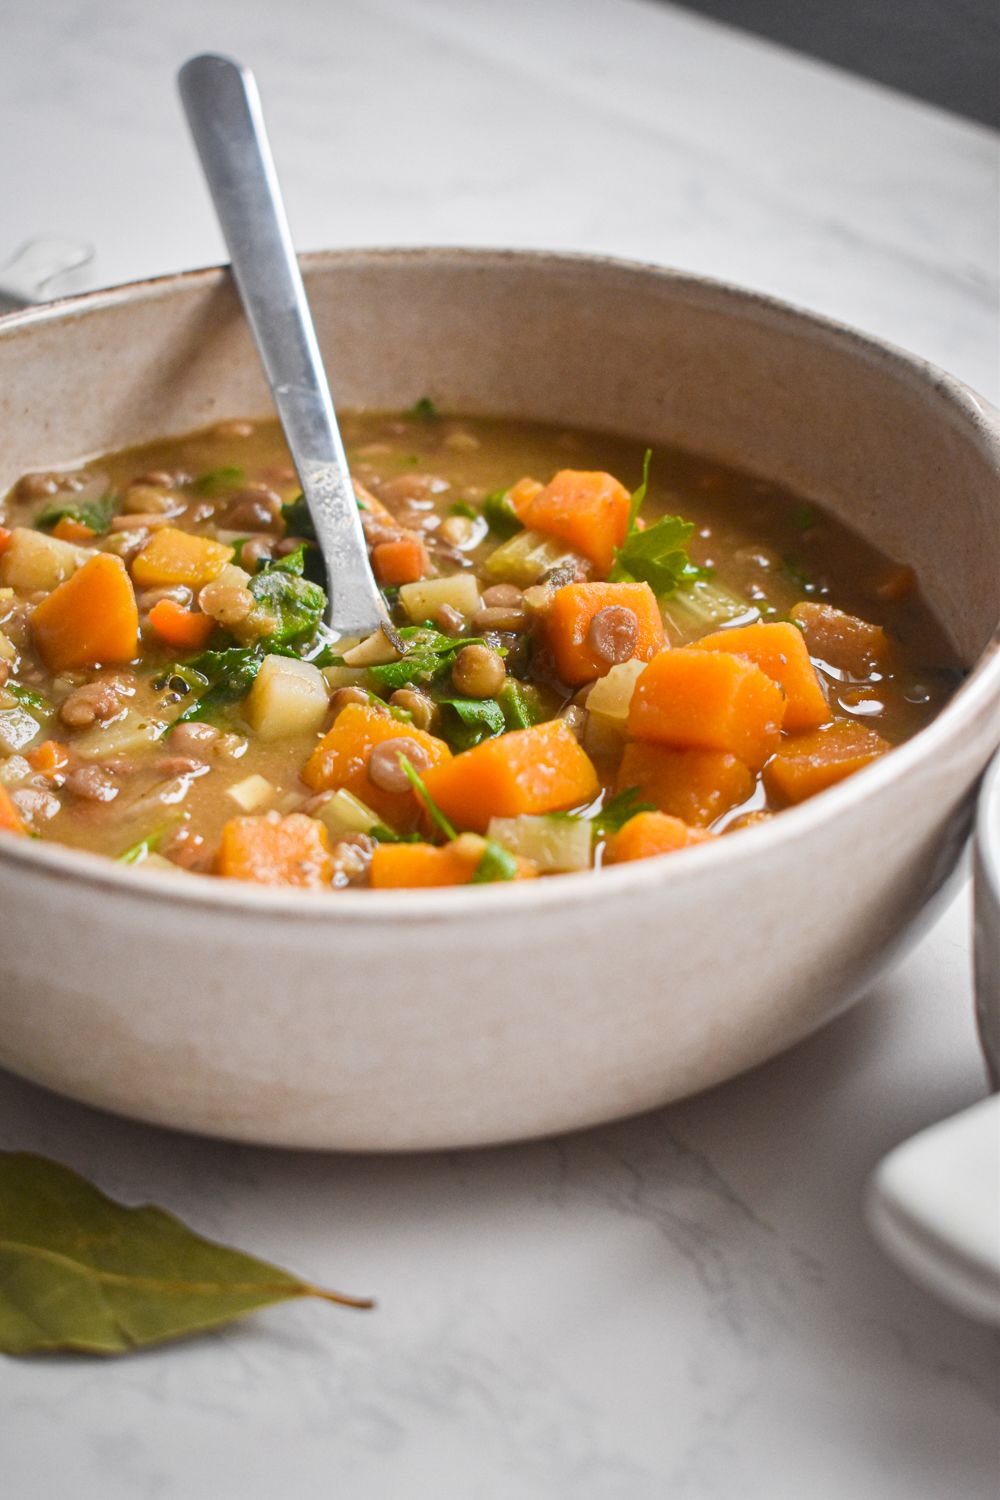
(374,651)
(345,813)
(422,600)
(36,561)
(252,792)
(122,736)
(17,729)
(15,771)
(8,651)
(288,697)
(338,677)
(552,843)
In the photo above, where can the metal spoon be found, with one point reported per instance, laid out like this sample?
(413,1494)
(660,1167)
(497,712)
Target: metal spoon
(224,114)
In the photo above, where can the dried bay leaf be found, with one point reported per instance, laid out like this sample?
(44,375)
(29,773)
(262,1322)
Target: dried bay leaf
(81,1272)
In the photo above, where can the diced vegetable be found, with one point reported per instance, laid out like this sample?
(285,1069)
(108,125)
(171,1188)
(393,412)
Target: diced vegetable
(173,556)
(521,704)
(696,786)
(5,539)
(273,850)
(337,677)
(67,529)
(550,843)
(809,763)
(10,819)
(780,652)
(50,759)
(702,605)
(708,700)
(411,866)
(843,641)
(288,697)
(292,606)
(128,735)
(183,629)
(252,792)
(401,561)
(375,650)
(582,650)
(611,694)
(535,770)
(341,760)
(37,563)
(345,813)
(586,510)
(650,833)
(527,557)
(422,600)
(91,619)
(17,729)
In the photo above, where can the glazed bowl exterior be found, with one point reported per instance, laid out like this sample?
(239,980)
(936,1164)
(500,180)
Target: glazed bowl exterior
(407,1020)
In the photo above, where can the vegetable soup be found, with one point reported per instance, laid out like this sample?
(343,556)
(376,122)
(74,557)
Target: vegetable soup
(609,654)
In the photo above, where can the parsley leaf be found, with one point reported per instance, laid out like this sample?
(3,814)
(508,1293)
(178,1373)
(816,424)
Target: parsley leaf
(618,809)
(495,864)
(468,721)
(500,514)
(657,555)
(29,698)
(386,835)
(93,513)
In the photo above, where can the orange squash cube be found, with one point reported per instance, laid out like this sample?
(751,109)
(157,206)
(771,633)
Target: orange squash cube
(809,763)
(708,700)
(570,630)
(90,619)
(537,770)
(781,652)
(271,850)
(696,786)
(650,833)
(586,510)
(341,760)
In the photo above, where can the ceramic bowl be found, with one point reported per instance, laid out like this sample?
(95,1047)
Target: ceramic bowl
(406,1020)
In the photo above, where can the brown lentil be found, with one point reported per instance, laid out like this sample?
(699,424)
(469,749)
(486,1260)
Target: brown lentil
(503,596)
(613,633)
(499,618)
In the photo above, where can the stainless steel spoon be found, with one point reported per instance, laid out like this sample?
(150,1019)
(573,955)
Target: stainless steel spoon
(224,113)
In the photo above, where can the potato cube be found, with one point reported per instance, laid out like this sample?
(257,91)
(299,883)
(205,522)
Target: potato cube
(288,697)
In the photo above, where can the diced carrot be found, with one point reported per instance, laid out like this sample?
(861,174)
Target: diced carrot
(185,629)
(401,561)
(781,653)
(708,700)
(569,621)
(371,505)
(895,584)
(843,641)
(68,530)
(536,770)
(588,511)
(10,818)
(89,620)
(272,850)
(172,556)
(5,536)
(809,763)
(396,866)
(650,833)
(341,760)
(50,759)
(521,493)
(697,786)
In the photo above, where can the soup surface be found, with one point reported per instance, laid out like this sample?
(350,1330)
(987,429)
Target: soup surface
(593,670)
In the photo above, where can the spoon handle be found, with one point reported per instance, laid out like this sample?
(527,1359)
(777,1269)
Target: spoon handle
(225,117)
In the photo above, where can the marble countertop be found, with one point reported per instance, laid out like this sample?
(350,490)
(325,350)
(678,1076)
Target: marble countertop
(683,1305)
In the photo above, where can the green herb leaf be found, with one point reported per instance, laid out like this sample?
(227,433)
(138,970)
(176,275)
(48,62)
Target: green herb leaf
(618,809)
(230,675)
(219,481)
(639,494)
(298,521)
(496,864)
(423,410)
(500,515)
(435,814)
(29,698)
(521,704)
(463,508)
(138,851)
(657,556)
(468,721)
(428,657)
(93,513)
(387,835)
(81,1272)
(294,603)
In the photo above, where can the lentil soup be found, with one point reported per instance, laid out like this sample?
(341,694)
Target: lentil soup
(598,667)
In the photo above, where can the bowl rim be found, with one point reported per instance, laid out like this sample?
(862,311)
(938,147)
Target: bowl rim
(978,691)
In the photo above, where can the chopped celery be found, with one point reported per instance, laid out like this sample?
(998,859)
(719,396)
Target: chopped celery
(345,813)
(526,558)
(551,843)
(696,608)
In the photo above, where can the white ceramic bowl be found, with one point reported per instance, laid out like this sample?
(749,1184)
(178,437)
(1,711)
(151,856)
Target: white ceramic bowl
(402,1020)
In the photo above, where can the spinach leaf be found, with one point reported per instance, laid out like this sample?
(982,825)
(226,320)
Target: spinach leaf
(495,864)
(618,809)
(230,675)
(500,515)
(93,513)
(467,721)
(521,704)
(294,603)
(428,658)
(84,1273)
(217,482)
(298,521)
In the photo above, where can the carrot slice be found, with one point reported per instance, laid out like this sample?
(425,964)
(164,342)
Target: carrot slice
(650,833)
(89,620)
(401,561)
(172,556)
(185,629)
(569,620)
(708,700)
(781,653)
(843,641)
(10,819)
(5,538)
(271,850)
(341,760)
(68,530)
(809,763)
(534,770)
(587,510)
(697,786)
(50,759)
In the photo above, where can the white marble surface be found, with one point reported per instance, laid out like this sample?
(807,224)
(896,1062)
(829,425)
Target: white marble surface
(686,1305)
